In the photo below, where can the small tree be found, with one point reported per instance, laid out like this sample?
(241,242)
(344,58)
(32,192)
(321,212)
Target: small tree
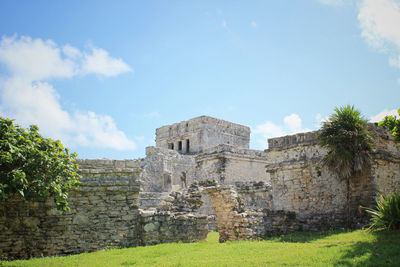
(35,167)
(393,125)
(348,142)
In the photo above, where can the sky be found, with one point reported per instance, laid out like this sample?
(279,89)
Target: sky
(101,76)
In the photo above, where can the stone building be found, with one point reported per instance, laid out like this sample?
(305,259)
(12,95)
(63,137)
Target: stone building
(200,176)
(195,135)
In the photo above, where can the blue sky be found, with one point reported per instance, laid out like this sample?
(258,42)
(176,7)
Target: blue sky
(103,75)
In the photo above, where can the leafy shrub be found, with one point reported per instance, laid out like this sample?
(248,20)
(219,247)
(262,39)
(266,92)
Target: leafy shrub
(393,125)
(35,167)
(386,216)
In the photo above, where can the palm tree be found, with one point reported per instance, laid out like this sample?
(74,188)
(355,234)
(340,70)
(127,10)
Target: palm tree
(348,143)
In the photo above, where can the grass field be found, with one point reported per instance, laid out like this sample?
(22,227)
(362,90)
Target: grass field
(333,248)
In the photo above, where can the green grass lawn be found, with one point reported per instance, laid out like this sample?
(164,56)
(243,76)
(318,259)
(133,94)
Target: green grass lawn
(339,248)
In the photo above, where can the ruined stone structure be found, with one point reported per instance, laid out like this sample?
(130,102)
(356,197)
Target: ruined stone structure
(200,133)
(200,176)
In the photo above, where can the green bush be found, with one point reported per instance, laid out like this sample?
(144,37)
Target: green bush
(386,216)
(35,167)
(393,125)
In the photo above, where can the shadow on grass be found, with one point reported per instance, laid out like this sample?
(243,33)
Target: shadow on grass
(306,236)
(384,251)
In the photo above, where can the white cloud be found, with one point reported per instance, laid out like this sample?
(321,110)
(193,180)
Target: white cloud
(292,124)
(379,21)
(35,59)
(332,2)
(22,56)
(100,130)
(319,120)
(267,130)
(101,63)
(254,24)
(380,116)
(27,97)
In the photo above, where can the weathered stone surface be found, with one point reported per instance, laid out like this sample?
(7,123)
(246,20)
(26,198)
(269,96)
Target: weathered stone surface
(166,170)
(201,133)
(218,184)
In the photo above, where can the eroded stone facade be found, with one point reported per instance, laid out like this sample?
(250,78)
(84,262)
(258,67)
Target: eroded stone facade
(200,176)
(200,133)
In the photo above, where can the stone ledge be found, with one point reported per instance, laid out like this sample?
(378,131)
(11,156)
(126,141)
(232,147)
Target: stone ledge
(289,141)
(232,152)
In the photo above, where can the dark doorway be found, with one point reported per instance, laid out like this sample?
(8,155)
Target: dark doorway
(180,145)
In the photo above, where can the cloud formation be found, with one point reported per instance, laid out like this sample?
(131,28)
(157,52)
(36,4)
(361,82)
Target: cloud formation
(380,116)
(379,21)
(292,124)
(27,96)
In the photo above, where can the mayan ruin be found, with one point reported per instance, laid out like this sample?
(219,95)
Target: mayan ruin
(201,176)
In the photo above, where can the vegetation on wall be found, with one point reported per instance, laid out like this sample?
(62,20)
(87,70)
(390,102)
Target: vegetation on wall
(35,167)
(393,125)
(386,215)
(348,144)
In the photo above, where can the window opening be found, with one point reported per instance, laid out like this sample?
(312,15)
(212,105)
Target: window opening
(187,146)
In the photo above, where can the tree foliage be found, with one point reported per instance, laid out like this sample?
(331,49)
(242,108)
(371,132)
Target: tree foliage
(348,141)
(393,125)
(35,167)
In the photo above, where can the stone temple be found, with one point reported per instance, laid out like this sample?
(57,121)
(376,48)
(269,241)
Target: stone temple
(195,135)
(201,176)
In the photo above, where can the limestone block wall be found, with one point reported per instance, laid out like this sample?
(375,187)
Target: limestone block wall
(200,133)
(242,211)
(228,165)
(385,169)
(318,197)
(302,185)
(166,227)
(104,213)
(165,170)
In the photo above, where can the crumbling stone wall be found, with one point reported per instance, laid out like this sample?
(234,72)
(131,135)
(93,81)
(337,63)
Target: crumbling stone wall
(228,164)
(240,192)
(104,213)
(242,211)
(165,170)
(167,227)
(302,185)
(385,169)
